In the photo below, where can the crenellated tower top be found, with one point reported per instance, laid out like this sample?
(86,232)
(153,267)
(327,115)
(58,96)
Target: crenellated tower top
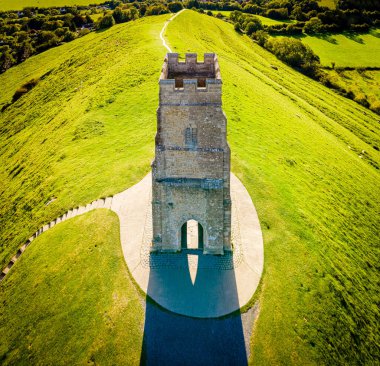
(190,75)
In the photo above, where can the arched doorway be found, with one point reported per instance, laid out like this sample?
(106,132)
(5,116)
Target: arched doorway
(192,235)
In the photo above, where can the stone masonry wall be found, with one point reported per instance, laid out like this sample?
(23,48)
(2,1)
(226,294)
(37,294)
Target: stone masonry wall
(191,170)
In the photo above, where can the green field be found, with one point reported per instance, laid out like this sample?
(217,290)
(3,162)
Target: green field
(226,13)
(75,302)
(269,21)
(361,50)
(20,4)
(264,20)
(329,3)
(308,157)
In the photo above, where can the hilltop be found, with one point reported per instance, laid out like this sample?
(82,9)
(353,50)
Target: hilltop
(308,157)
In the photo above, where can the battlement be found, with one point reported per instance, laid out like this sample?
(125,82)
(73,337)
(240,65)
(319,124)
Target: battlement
(190,75)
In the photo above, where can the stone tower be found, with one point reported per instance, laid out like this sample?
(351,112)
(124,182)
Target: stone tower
(191,170)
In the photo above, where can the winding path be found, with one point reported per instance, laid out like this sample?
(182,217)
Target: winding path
(164,28)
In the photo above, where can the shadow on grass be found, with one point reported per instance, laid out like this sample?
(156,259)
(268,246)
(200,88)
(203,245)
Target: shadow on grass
(354,37)
(328,37)
(375,32)
(172,339)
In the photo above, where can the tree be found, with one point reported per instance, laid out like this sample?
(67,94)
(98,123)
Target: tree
(6,58)
(294,53)
(253,25)
(24,51)
(261,37)
(313,25)
(192,4)
(119,15)
(175,7)
(297,14)
(157,10)
(105,22)
(279,14)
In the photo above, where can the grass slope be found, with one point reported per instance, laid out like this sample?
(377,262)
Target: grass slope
(72,304)
(360,82)
(298,146)
(21,4)
(85,131)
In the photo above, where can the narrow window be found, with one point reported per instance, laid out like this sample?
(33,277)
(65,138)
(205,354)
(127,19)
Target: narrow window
(194,136)
(191,137)
(188,136)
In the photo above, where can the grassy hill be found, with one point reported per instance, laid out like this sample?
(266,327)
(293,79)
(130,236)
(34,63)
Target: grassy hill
(79,306)
(85,131)
(308,157)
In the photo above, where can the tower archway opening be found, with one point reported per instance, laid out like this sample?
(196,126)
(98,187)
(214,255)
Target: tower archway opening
(192,235)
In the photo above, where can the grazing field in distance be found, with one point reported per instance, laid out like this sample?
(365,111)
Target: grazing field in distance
(360,82)
(353,50)
(329,3)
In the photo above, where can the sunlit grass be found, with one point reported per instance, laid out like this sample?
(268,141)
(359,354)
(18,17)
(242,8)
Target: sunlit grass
(85,131)
(329,3)
(348,49)
(70,300)
(307,157)
(360,82)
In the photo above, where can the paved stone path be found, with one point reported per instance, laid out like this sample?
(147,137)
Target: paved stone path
(190,283)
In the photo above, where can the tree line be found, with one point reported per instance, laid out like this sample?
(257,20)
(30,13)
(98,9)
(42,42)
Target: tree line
(295,53)
(34,30)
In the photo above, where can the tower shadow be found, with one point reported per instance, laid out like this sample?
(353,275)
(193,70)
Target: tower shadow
(172,339)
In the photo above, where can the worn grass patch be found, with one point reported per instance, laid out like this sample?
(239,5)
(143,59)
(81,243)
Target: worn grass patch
(69,299)
(310,160)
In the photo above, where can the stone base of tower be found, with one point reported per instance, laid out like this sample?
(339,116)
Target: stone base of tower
(188,282)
